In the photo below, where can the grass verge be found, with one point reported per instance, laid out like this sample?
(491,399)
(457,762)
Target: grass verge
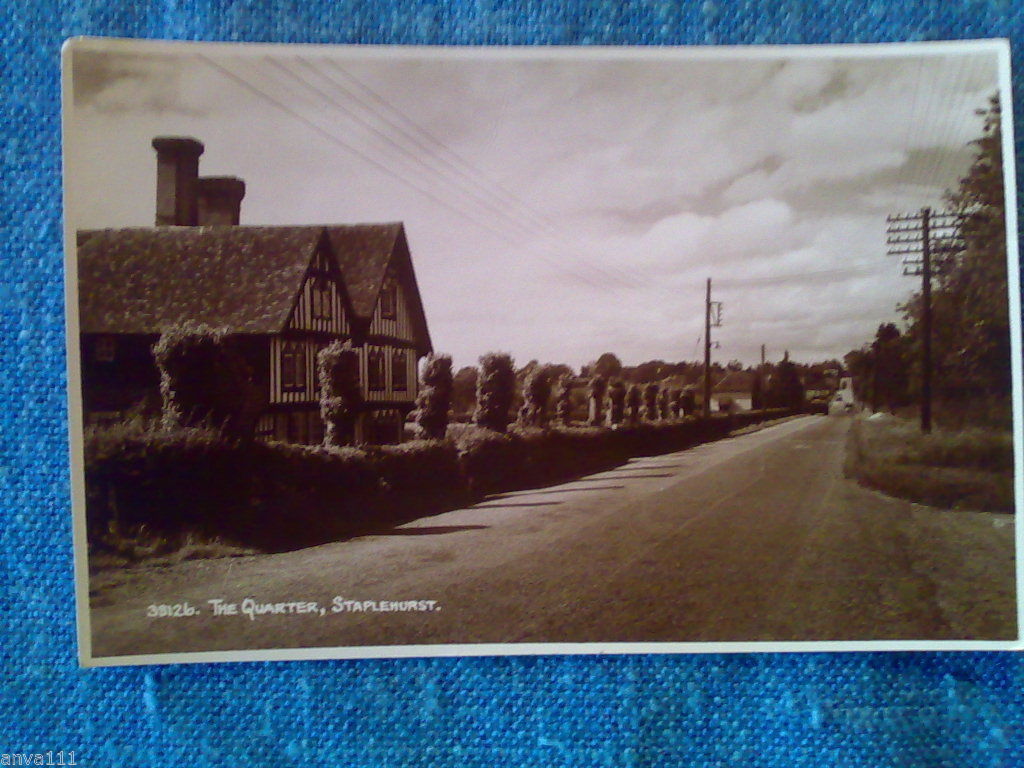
(970,469)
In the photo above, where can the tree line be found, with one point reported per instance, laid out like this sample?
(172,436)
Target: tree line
(970,307)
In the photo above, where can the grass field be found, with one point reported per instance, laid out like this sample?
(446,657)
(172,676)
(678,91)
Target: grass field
(965,469)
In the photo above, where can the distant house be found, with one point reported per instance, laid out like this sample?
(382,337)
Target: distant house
(844,398)
(283,293)
(733,391)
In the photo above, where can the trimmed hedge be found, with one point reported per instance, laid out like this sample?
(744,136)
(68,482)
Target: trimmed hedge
(278,496)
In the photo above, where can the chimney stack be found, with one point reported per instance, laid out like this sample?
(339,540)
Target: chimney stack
(220,200)
(177,172)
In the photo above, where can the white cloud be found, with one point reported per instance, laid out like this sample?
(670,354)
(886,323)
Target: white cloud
(602,194)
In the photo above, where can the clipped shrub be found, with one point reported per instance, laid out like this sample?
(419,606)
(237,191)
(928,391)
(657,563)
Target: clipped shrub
(650,412)
(434,399)
(665,404)
(204,380)
(616,402)
(495,391)
(340,394)
(563,399)
(536,393)
(757,392)
(676,404)
(688,402)
(596,391)
(633,401)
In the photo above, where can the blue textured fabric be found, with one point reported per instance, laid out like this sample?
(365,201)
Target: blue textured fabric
(762,710)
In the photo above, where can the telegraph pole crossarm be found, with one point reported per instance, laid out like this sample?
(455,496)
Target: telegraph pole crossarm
(912,236)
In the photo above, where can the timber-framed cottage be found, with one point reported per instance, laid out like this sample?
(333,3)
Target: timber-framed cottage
(282,293)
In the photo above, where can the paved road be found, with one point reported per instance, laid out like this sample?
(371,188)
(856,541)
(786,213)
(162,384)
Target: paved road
(757,537)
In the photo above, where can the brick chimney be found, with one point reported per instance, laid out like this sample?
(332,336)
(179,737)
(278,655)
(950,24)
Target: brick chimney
(177,171)
(220,199)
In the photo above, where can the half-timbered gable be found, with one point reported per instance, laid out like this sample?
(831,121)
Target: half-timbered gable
(321,305)
(281,292)
(391,324)
(320,315)
(381,284)
(391,317)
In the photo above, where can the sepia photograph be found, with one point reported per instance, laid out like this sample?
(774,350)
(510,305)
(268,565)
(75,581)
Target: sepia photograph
(388,351)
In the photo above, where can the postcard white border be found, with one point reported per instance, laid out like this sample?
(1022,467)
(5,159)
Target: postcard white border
(1000,47)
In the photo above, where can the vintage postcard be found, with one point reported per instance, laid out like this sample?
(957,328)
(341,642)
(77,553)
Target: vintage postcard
(410,351)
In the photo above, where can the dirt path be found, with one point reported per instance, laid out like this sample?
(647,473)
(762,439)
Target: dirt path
(757,537)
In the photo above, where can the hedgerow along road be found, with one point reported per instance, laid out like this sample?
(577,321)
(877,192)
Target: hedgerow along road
(757,537)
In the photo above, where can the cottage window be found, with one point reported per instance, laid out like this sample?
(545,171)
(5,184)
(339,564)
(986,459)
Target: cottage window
(105,349)
(375,372)
(293,366)
(389,300)
(399,374)
(321,299)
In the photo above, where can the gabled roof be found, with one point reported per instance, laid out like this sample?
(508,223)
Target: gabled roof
(242,278)
(686,380)
(364,253)
(736,381)
(142,280)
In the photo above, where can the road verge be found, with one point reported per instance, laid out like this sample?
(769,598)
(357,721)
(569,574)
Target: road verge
(970,469)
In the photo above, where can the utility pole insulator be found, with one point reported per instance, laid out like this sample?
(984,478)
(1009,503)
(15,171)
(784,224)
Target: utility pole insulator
(912,235)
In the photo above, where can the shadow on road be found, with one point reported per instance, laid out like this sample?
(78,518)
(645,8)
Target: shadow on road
(504,505)
(431,530)
(572,489)
(646,476)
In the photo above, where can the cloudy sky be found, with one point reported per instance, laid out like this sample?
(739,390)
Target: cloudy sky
(560,206)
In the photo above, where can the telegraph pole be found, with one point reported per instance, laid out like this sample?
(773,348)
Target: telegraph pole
(912,235)
(712,319)
(926,320)
(707,353)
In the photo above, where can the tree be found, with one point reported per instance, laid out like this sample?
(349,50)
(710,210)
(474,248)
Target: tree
(891,357)
(463,400)
(434,399)
(652,370)
(340,394)
(785,390)
(607,365)
(495,391)
(970,309)
(204,380)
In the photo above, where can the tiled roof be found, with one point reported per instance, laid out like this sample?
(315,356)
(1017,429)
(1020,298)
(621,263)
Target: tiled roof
(736,381)
(242,278)
(363,252)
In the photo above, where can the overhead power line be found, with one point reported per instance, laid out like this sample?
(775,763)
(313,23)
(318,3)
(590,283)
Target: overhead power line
(430,143)
(425,158)
(426,192)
